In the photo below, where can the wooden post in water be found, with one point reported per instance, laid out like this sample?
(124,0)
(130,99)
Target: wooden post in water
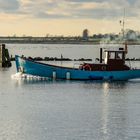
(101,53)
(4,57)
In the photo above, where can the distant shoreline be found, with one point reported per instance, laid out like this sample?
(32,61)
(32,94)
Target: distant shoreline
(58,40)
(74,43)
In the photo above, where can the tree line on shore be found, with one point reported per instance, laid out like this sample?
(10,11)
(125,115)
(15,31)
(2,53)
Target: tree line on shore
(131,36)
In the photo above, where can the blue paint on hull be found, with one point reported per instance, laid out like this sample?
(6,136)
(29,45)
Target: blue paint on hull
(46,70)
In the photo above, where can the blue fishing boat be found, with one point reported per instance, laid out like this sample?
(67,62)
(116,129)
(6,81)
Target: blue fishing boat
(112,67)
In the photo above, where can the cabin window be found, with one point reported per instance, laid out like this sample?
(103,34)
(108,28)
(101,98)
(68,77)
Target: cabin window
(111,55)
(118,55)
(106,57)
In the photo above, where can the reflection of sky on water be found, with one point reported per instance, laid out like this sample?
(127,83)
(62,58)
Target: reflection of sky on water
(113,106)
(113,112)
(41,109)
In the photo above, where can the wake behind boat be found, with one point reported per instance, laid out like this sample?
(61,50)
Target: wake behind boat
(112,68)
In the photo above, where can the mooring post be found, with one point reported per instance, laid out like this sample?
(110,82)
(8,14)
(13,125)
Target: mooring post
(101,53)
(4,57)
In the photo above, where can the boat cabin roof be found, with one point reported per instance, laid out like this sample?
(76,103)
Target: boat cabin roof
(114,51)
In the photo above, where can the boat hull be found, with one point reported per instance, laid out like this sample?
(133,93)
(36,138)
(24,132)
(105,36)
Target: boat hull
(56,72)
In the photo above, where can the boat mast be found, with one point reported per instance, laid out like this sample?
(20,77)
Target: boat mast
(124,39)
(123,25)
(123,32)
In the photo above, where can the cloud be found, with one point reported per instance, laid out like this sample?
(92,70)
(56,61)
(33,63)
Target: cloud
(132,1)
(65,16)
(94,9)
(9,5)
(85,1)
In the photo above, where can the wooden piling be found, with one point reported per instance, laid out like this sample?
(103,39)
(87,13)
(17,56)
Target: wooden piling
(4,57)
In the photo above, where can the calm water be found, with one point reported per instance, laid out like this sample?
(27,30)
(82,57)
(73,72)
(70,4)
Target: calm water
(67,110)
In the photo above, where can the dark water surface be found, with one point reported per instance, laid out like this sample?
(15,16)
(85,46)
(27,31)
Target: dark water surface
(68,110)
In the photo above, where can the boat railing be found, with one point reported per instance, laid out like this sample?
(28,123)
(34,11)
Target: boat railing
(133,64)
(130,64)
(77,65)
(134,68)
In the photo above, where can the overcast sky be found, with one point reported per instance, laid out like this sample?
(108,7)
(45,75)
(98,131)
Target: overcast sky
(66,17)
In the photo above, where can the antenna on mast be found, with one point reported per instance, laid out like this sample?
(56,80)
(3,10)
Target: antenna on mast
(123,31)
(123,23)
